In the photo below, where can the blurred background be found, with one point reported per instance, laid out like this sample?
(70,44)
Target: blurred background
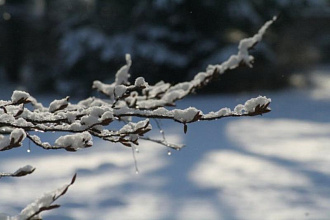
(62,46)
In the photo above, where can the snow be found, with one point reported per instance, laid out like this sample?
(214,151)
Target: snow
(140,82)
(44,201)
(247,43)
(74,141)
(71,117)
(161,111)
(239,109)
(222,112)
(6,118)
(186,115)
(200,77)
(25,169)
(17,135)
(107,89)
(251,104)
(163,94)
(38,140)
(23,122)
(243,51)
(269,167)
(19,96)
(170,97)
(14,140)
(122,75)
(107,115)
(58,104)
(131,127)
(158,88)
(120,90)
(232,169)
(96,111)
(89,120)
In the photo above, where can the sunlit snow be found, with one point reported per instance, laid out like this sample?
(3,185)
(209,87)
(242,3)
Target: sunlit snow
(269,167)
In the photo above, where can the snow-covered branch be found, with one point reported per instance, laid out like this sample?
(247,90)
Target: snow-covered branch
(134,104)
(125,101)
(23,171)
(43,203)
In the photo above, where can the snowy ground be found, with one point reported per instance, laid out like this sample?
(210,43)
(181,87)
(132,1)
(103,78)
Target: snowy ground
(274,166)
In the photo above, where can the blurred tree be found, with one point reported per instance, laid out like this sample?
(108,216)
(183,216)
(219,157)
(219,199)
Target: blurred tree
(13,46)
(77,41)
